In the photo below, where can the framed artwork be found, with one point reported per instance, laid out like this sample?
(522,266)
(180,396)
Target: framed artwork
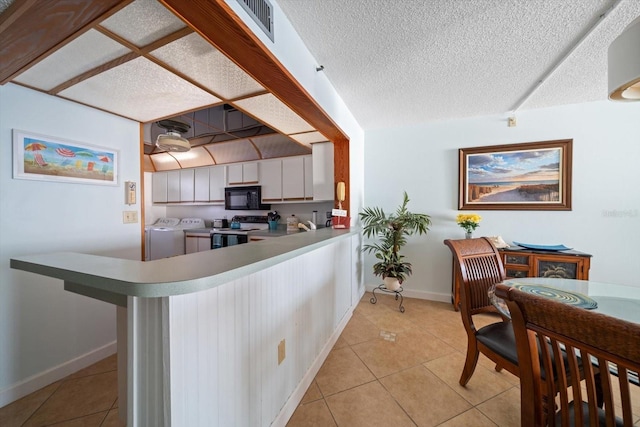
(47,158)
(528,176)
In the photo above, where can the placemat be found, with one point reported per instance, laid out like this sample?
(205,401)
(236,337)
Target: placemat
(567,297)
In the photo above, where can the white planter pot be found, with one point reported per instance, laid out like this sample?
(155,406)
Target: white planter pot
(391,283)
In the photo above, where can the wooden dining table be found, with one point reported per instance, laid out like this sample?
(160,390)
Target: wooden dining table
(620,301)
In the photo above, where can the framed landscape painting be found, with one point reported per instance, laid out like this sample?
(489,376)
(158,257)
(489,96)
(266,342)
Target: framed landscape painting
(528,176)
(47,158)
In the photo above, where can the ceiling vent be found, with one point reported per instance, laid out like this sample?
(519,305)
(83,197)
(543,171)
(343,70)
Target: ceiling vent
(262,13)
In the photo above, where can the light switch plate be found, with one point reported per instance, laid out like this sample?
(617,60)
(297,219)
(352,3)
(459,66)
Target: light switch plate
(129,217)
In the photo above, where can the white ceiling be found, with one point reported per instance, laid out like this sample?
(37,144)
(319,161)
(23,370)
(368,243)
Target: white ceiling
(143,63)
(399,63)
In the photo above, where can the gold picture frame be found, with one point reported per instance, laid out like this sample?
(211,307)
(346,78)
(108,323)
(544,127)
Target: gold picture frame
(525,176)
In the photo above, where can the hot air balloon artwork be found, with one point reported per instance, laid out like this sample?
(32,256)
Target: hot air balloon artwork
(46,158)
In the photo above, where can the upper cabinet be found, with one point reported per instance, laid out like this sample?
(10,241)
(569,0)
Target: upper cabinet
(187,185)
(159,187)
(285,180)
(271,180)
(173,186)
(323,184)
(201,185)
(293,179)
(242,173)
(308,177)
(216,184)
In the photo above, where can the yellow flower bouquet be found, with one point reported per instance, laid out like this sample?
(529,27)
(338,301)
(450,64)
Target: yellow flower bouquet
(468,222)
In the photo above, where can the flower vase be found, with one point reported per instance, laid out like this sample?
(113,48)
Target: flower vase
(468,235)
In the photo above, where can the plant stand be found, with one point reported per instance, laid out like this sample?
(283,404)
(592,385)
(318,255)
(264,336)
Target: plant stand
(382,288)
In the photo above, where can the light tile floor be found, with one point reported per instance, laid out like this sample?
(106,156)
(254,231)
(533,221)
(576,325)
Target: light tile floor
(86,398)
(387,369)
(402,369)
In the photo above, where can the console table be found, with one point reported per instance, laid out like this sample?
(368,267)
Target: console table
(520,262)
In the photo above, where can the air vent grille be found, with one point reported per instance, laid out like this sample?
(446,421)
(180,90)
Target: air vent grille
(262,13)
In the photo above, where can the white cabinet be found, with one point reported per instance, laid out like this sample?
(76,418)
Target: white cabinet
(293,178)
(197,243)
(243,173)
(323,171)
(216,184)
(271,180)
(308,177)
(159,187)
(201,185)
(289,179)
(173,186)
(187,185)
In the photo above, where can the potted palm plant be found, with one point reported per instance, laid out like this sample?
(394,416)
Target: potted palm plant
(392,231)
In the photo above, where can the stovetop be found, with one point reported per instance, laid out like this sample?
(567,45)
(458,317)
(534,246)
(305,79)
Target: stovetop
(250,219)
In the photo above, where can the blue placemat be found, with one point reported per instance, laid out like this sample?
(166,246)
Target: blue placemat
(566,297)
(543,247)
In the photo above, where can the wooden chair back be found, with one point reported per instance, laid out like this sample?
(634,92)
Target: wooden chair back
(480,266)
(607,341)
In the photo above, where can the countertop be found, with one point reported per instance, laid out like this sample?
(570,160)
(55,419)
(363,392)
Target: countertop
(113,279)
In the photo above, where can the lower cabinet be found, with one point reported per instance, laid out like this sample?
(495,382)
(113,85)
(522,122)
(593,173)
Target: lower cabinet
(198,243)
(531,263)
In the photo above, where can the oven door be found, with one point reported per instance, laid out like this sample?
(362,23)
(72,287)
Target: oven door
(219,240)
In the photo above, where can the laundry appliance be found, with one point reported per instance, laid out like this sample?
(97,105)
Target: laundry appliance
(165,238)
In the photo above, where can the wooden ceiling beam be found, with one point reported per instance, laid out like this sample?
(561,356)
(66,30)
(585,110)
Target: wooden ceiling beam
(217,22)
(32,30)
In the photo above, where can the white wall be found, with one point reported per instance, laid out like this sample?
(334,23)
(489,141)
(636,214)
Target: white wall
(294,55)
(44,329)
(423,160)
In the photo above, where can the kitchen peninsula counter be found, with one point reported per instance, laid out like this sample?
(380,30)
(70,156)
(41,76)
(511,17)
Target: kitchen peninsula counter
(202,336)
(113,279)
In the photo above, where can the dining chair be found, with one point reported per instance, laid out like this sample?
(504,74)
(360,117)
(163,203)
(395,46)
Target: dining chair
(611,344)
(479,265)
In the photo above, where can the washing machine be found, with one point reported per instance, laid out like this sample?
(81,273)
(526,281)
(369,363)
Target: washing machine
(165,237)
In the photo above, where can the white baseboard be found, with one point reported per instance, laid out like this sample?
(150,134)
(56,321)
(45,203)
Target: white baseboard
(43,379)
(294,400)
(412,293)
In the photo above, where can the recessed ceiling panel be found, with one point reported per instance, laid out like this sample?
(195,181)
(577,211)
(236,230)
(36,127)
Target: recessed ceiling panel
(274,113)
(194,158)
(143,22)
(164,162)
(148,164)
(309,138)
(85,53)
(233,151)
(196,58)
(140,90)
(277,145)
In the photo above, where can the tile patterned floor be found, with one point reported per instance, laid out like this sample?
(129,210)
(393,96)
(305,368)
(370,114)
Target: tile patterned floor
(86,398)
(387,369)
(402,369)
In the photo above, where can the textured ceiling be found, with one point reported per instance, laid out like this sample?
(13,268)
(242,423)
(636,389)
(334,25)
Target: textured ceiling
(398,63)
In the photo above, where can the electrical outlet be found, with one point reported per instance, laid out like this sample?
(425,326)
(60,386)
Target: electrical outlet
(129,217)
(281,352)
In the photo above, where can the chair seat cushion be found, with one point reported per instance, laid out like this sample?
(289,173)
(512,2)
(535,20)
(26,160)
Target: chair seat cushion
(500,339)
(602,420)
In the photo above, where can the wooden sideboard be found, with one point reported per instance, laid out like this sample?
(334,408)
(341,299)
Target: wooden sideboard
(521,262)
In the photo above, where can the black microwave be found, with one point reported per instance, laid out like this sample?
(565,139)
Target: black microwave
(247,198)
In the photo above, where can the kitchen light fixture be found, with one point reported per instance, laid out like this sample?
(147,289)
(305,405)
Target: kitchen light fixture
(624,64)
(173,140)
